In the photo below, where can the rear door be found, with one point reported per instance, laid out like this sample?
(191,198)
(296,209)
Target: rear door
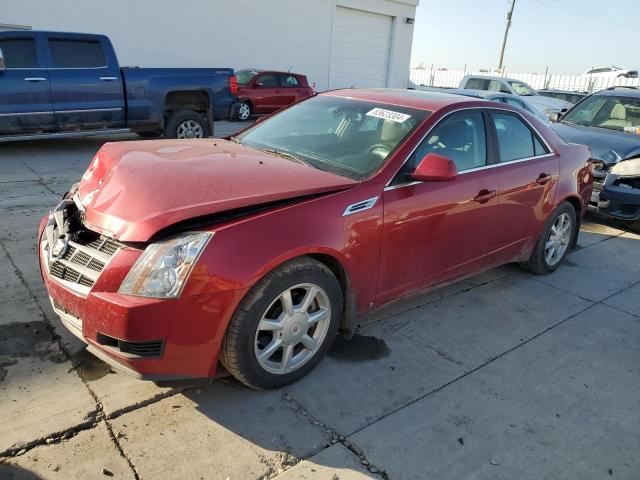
(85,82)
(437,231)
(25,95)
(528,172)
(292,91)
(268,93)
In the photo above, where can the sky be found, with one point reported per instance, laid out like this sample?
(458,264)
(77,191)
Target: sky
(568,36)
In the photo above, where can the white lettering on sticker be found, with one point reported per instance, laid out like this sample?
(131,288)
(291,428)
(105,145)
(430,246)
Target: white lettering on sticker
(389,115)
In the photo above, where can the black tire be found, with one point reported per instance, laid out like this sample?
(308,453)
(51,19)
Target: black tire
(245,111)
(635,226)
(238,351)
(181,116)
(537,263)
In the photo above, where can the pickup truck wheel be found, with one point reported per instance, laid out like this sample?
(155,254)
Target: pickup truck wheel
(284,325)
(635,226)
(187,124)
(554,242)
(244,112)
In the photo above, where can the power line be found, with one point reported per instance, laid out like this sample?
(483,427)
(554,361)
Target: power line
(591,14)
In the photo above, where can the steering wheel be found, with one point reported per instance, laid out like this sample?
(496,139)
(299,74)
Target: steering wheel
(378,146)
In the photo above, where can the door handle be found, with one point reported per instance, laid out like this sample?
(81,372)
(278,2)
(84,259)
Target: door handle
(484,196)
(543,178)
(108,79)
(35,79)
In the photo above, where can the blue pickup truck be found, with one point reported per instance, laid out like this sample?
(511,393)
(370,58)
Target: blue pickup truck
(56,84)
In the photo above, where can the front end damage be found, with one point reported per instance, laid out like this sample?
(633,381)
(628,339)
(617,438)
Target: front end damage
(150,338)
(616,189)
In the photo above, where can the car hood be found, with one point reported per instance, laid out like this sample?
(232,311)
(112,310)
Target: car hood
(544,103)
(132,190)
(600,140)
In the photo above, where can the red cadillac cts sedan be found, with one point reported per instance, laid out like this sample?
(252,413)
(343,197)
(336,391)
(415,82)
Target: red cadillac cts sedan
(170,257)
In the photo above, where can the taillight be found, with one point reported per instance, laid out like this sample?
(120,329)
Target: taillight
(233,84)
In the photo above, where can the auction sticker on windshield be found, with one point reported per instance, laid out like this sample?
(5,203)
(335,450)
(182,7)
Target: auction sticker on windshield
(388,115)
(635,130)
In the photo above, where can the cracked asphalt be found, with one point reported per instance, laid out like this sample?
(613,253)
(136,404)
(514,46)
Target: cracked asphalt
(500,376)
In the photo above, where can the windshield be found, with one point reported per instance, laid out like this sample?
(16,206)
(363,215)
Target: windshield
(615,113)
(245,76)
(523,89)
(348,137)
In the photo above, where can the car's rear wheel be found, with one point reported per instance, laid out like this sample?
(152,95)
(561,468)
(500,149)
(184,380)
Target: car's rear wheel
(635,226)
(187,124)
(244,112)
(284,326)
(554,242)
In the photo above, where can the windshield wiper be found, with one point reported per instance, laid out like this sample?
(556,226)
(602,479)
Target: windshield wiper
(283,154)
(235,139)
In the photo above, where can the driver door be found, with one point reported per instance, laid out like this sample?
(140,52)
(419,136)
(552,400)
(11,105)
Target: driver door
(435,232)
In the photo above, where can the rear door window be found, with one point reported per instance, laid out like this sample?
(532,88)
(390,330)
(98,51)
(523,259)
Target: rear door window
(77,53)
(516,141)
(19,52)
(289,81)
(477,84)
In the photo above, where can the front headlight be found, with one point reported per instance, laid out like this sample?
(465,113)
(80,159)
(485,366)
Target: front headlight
(627,167)
(164,267)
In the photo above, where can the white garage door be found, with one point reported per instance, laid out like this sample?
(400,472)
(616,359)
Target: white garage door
(360,49)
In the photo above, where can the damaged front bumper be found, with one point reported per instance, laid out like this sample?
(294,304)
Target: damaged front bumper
(152,339)
(618,197)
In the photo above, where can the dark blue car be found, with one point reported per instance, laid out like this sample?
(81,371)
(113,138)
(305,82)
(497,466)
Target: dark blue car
(609,123)
(67,84)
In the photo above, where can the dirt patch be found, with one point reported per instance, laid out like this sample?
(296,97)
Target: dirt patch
(22,340)
(360,348)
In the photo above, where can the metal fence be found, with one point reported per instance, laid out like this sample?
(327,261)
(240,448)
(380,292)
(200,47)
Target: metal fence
(442,77)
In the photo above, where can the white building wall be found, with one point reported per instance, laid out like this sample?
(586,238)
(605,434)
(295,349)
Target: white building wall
(275,34)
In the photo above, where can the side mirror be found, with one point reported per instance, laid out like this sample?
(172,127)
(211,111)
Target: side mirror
(555,117)
(3,65)
(435,168)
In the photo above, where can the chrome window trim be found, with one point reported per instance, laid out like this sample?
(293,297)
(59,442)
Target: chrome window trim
(471,170)
(388,186)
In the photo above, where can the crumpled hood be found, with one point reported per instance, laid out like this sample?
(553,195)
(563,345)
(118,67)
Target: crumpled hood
(600,140)
(131,190)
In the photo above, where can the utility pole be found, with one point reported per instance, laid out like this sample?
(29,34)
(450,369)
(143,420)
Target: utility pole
(506,32)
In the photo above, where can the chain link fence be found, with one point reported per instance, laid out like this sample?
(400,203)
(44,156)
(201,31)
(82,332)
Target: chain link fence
(444,78)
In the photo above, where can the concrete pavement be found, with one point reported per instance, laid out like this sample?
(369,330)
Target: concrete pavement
(504,375)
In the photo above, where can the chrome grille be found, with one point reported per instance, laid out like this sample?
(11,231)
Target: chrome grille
(81,265)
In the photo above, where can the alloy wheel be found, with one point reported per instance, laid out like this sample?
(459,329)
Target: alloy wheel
(190,129)
(244,112)
(293,328)
(558,239)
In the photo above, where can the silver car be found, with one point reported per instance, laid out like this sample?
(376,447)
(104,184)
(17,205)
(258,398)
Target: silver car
(522,90)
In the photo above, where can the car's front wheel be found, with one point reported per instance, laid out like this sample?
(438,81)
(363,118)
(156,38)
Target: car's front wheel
(555,240)
(284,326)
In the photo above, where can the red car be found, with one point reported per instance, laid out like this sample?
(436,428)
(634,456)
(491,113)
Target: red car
(170,256)
(266,91)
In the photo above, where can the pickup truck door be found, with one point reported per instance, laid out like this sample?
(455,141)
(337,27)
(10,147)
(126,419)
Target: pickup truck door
(25,95)
(86,85)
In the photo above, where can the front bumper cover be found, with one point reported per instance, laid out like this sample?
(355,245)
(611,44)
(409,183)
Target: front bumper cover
(617,199)
(190,329)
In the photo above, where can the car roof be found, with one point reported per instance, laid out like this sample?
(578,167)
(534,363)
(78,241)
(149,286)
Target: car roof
(419,99)
(489,77)
(619,92)
(259,71)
